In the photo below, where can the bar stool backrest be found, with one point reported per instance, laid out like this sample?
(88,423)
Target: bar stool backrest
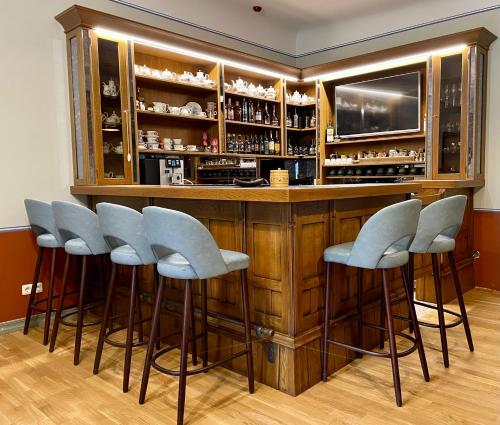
(171,231)
(76,221)
(393,226)
(41,218)
(443,217)
(125,226)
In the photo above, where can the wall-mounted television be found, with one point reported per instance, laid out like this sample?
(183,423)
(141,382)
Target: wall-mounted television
(380,106)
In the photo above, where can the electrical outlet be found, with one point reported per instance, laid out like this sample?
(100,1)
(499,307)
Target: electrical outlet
(26,289)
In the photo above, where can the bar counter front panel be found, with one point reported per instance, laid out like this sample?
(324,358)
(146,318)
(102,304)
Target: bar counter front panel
(284,231)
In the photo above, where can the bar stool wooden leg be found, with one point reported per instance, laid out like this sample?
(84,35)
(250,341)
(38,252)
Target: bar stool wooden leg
(392,340)
(192,321)
(156,286)
(383,313)
(50,295)
(248,330)
(105,319)
(151,343)
(140,330)
(324,357)
(184,352)
(204,353)
(458,290)
(36,277)
(411,283)
(439,303)
(414,321)
(359,336)
(81,307)
(57,318)
(130,329)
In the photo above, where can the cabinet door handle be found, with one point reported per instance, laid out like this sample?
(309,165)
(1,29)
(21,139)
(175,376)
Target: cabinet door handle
(129,138)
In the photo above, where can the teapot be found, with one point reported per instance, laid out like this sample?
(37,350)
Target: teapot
(106,148)
(240,85)
(112,120)
(169,75)
(118,149)
(271,93)
(110,89)
(186,76)
(261,91)
(296,96)
(252,89)
(186,110)
(201,76)
(304,98)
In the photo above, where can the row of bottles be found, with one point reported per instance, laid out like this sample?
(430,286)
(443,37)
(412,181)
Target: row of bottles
(304,120)
(248,112)
(301,149)
(254,144)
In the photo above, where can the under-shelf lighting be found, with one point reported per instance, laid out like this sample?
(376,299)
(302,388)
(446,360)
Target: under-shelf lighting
(388,64)
(192,53)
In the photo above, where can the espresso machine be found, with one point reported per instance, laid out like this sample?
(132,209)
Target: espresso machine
(171,171)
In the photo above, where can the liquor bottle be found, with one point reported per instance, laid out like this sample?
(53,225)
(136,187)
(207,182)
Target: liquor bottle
(312,123)
(244,111)
(288,120)
(277,145)
(256,146)
(307,123)
(296,150)
(258,114)
(251,114)
(229,143)
(312,148)
(237,111)
(271,143)
(290,148)
(266,144)
(329,132)
(241,148)
(267,117)
(261,145)
(274,119)
(230,111)
(295,119)
(248,144)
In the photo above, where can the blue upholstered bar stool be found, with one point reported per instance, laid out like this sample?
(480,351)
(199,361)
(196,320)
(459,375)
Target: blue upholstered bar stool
(437,229)
(123,229)
(43,224)
(382,243)
(80,230)
(187,251)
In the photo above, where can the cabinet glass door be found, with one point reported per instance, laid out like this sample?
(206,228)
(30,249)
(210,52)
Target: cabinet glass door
(113,133)
(450,137)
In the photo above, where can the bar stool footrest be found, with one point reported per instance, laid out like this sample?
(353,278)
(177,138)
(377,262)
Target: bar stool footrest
(74,324)
(457,322)
(118,344)
(34,304)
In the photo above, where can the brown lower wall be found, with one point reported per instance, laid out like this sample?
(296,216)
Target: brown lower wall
(487,242)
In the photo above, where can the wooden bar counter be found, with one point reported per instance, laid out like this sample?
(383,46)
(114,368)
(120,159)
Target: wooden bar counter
(284,231)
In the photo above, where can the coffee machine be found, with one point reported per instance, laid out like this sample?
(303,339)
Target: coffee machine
(171,171)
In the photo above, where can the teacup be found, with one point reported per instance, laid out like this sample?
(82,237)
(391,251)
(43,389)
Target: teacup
(177,142)
(202,114)
(174,110)
(167,144)
(186,110)
(153,145)
(152,133)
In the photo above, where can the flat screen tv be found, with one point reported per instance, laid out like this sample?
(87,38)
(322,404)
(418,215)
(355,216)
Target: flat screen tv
(381,106)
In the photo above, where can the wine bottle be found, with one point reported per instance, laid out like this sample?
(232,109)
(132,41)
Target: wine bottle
(271,143)
(229,143)
(307,122)
(261,145)
(256,145)
(266,144)
(313,120)
(295,119)
(230,111)
(251,115)
(288,120)
(237,111)
(329,132)
(258,114)
(277,145)
(244,111)
(247,145)
(312,148)
(274,119)
(267,117)
(290,148)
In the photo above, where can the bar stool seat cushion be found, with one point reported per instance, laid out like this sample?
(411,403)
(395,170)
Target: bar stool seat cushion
(441,244)
(176,266)
(125,255)
(341,254)
(48,240)
(77,246)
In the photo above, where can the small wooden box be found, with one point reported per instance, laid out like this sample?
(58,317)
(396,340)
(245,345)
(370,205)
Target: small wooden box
(279,178)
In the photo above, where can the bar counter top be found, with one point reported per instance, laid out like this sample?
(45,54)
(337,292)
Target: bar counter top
(253,194)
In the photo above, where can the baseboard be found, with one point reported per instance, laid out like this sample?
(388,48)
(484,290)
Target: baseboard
(36,320)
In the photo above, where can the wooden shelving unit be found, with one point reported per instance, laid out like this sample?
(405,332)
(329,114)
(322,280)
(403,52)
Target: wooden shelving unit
(252,124)
(175,116)
(231,93)
(174,84)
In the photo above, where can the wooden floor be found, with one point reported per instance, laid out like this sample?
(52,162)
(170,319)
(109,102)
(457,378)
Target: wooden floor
(41,388)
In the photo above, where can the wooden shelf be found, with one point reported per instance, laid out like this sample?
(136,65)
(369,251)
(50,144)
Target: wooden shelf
(300,156)
(386,139)
(172,152)
(251,155)
(251,124)
(301,129)
(375,163)
(298,105)
(371,177)
(112,129)
(244,95)
(182,117)
(175,84)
